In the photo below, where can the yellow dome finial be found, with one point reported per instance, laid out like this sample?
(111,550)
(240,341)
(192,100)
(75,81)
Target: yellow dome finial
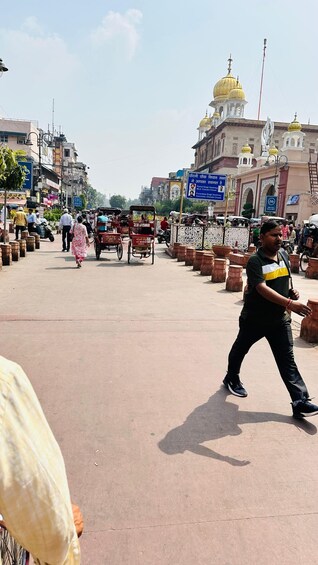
(273,150)
(246,148)
(294,125)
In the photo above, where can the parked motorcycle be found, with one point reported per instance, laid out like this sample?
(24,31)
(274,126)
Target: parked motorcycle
(163,236)
(44,230)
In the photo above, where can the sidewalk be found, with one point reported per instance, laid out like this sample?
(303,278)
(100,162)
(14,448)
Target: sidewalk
(167,468)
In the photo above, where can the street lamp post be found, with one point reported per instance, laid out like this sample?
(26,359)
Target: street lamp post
(41,136)
(4,69)
(280,162)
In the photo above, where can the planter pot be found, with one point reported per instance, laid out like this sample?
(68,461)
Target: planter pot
(221,250)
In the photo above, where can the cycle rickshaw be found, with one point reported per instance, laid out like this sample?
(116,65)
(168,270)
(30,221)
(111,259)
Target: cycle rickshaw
(106,234)
(142,232)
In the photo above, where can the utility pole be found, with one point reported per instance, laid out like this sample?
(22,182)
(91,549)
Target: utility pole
(262,75)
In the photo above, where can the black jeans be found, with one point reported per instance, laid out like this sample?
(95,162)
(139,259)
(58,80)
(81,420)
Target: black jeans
(279,336)
(19,229)
(66,238)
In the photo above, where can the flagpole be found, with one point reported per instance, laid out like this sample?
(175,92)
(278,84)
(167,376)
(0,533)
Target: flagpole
(262,75)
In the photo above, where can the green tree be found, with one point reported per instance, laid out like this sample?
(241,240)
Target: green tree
(12,175)
(117,201)
(248,210)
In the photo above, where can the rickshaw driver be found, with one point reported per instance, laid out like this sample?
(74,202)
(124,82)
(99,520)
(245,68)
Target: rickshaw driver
(102,220)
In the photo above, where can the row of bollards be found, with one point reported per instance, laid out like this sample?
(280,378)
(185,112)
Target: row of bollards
(13,250)
(209,264)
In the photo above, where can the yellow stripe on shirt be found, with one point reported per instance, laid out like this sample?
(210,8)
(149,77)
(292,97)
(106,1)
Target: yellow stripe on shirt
(279,271)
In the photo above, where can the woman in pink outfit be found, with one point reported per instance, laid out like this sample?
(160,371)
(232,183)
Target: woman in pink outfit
(80,241)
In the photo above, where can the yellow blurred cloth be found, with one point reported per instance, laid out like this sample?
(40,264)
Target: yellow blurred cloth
(34,494)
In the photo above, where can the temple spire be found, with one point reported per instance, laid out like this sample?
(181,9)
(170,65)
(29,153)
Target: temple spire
(230,60)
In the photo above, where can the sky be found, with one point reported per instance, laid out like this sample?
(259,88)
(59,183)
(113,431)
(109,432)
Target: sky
(131,79)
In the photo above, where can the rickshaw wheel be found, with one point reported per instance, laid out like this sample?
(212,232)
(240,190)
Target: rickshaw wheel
(120,251)
(153,253)
(97,250)
(128,252)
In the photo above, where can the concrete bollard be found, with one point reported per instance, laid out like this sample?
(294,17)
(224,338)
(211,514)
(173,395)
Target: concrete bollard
(197,260)
(237,259)
(190,254)
(219,270)
(22,244)
(24,234)
(207,264)
(234,281)
(309,324)
(30,243)
(174,250)
(181,251)
(37,239)
(15,250)
(294,262)
(6,254)
(312,269)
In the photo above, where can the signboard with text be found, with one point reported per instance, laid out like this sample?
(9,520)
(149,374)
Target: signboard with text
(270,203)
(28,167)
(206,186)
(77,202)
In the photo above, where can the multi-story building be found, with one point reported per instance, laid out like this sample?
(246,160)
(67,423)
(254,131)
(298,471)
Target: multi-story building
(73,173)
(218,150)
(42,183)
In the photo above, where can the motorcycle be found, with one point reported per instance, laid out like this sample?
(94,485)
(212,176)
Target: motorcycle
(163,236)
(44,230)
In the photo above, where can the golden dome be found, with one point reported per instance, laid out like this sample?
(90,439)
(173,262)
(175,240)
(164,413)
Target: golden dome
(246,148)
(206,121)
(294,125)
(216,115)
(224,86)
(273,151)
(237,93)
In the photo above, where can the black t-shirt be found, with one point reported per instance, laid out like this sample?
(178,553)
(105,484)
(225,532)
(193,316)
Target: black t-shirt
(276,275)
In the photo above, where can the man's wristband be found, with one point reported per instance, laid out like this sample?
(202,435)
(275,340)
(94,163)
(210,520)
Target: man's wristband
(289,303)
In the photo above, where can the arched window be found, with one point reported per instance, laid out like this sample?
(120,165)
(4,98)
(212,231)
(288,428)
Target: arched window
(298,142)
(292,142)
(244,160)
(287,142)
(269,190)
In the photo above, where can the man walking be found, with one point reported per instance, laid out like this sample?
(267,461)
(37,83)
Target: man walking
(66,223)
(267,303)
(20,222)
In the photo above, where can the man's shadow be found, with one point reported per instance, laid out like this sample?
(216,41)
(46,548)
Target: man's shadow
(218,418)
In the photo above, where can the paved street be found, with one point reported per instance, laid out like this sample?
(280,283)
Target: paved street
(168,469)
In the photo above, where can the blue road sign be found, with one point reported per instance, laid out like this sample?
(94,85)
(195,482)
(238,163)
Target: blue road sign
(28,166)
(206,186)
(77,202)
(270,203)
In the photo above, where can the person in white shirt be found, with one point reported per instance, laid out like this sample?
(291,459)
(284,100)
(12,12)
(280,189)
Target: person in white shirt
(31,219)
(66,223)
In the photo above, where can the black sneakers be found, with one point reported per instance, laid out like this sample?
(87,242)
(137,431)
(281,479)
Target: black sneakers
(304,408)
(236,388)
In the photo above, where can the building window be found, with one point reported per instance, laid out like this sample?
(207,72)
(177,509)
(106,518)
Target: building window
(3,138)
(234,149)
(20,140)
(252,147)
(67,153)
